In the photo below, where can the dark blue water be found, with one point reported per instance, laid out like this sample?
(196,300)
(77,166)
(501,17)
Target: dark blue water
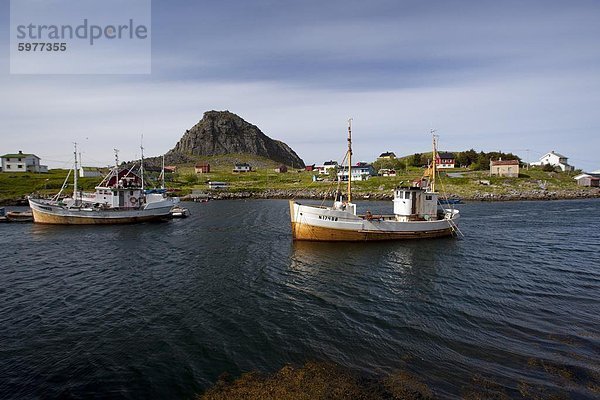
(161,310)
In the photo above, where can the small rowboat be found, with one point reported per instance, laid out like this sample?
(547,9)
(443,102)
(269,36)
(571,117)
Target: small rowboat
(179,212)
(19,216)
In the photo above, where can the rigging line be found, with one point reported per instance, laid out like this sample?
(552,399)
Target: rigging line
(451,223)
(337,181)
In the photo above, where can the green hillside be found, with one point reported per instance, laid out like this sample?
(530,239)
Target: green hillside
(461,182)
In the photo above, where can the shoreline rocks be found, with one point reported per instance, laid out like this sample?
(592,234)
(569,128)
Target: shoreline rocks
(319,194)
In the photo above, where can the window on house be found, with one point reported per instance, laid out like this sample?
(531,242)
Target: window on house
(407,195)
(20,166)
(18,159)
(7,166)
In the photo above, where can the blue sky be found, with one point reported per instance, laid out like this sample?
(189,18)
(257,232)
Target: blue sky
(489,75)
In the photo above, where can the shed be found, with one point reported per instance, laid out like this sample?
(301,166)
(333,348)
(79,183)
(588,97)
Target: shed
(202,168)
(588,180)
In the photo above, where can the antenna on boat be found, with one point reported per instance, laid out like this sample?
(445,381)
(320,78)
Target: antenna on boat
(142,162)
(75,173)
(350,160)
(116,168)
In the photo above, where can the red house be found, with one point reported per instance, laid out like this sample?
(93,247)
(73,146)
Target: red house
(445,160)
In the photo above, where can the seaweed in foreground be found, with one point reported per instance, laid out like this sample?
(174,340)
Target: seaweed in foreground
(317,380)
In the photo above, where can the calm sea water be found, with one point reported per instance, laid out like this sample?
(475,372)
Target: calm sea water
(161,310)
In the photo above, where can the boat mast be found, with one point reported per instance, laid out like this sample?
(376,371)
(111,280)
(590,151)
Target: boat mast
(350,160)
(116,168)
(76,172)
(163,172)
(433,159)
(142,163)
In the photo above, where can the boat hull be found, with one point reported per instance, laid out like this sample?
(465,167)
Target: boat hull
(57,215)
(324,224)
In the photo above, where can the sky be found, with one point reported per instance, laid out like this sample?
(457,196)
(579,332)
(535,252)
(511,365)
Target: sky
(511,76)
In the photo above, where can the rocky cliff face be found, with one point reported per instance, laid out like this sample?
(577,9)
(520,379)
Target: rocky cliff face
(222,132)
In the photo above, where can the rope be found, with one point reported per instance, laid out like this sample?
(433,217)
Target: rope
(451,223)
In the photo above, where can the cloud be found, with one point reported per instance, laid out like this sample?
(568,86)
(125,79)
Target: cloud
(493,76)
(502,115)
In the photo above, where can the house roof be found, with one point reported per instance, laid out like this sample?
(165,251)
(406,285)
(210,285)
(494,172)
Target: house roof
(242,164)
(199,165)
(445,155)
(505,162)
(556,154)
(330,163)
(17,155)
(387,154)
(587,175)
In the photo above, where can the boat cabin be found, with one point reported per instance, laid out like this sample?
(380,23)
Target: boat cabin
(414,203)
(124,192)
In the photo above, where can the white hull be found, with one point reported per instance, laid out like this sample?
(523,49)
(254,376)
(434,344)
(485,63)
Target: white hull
(49,213)
(328,224)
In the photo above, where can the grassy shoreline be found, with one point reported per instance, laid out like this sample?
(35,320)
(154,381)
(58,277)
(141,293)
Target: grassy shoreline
(265,183)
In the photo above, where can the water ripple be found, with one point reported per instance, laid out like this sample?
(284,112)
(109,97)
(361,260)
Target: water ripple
(161,310)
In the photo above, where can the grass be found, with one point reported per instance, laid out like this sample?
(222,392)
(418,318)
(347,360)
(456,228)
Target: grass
(15,185)
(263,177)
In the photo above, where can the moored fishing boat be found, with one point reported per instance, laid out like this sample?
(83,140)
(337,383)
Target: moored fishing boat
(119,199)
(417,214)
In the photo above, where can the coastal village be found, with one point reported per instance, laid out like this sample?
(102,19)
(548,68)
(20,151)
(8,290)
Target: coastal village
(242,173)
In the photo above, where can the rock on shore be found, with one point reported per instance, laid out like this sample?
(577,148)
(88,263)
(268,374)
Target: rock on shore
(321,194)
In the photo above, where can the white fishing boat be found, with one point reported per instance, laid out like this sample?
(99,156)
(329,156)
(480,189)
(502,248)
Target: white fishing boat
(416,214)
(119,199)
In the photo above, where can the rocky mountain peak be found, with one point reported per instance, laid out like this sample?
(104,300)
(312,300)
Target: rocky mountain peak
(223,132)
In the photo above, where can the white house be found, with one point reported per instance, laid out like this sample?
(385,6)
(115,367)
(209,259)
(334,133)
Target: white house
(556,160)
(242,167)
(21,162)
(326,166)
(360,172)
(90,172)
